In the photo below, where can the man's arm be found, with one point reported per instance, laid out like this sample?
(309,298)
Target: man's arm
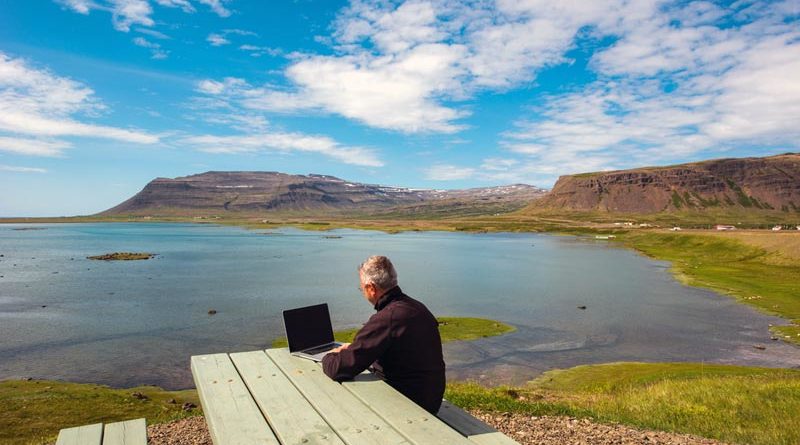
(368,345)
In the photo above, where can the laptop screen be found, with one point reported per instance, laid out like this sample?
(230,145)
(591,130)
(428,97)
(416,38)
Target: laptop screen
(308,326)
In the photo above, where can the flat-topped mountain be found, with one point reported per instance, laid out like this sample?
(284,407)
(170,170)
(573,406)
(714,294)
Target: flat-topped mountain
(752,184)
(259,192)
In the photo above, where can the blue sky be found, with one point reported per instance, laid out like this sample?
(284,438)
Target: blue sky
(97,97)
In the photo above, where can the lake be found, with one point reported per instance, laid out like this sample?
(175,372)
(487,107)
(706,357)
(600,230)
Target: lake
(127,323)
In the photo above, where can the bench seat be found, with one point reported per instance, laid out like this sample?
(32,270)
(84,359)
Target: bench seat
(129,432)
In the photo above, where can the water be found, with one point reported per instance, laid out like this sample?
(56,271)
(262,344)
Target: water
(63,316)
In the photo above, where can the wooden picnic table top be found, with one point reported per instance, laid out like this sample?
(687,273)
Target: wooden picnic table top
(271,397)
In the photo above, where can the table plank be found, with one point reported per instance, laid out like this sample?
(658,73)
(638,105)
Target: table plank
(352,420)
(231,413)
(475,430)
(291,416)
(81,435)
(129,432)
(418,425)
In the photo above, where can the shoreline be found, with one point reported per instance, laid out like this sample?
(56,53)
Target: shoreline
(636,239)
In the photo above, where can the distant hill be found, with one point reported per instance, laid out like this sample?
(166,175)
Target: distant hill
(272,192)
(735,185)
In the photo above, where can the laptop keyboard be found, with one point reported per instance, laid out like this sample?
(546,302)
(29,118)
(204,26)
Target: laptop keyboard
(319,349)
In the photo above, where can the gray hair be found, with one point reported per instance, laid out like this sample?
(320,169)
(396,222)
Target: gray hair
(379,271)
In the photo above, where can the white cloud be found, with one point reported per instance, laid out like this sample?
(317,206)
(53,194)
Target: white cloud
(407,67)
(12,168)
(141,41)
(127,13)
(217,6)
(498,164)
(239,32)
(444,172)
(185,5)
(258,51)
(32,147)
(728,87)
(285,142)
(155,48)
(79,6)
(153,33)
(229,85)
(217,40)
(222,38)
(218,106)
(37,106)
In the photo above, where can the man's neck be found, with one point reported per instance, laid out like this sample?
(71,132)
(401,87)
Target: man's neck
(379,302)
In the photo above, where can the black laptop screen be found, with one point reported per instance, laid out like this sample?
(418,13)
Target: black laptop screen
(308,326)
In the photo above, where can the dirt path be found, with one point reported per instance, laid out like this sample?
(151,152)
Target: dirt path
(526,430)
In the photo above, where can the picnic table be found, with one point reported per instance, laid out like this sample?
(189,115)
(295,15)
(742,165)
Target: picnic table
(270,397)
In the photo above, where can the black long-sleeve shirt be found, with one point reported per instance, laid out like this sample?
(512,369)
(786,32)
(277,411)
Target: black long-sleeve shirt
(401,342)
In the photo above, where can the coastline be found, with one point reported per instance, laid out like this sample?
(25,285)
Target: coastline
(655,244)
(658,244)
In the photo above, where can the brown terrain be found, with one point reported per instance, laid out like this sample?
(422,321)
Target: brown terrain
(253,193)
(749,184)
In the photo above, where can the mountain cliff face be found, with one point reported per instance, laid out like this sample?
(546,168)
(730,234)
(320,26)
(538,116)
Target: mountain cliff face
(258,192)
(770,183)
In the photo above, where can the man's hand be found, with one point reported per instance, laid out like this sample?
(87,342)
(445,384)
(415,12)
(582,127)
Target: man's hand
(344,346)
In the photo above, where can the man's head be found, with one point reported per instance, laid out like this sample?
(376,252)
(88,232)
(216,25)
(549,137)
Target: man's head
(377,275)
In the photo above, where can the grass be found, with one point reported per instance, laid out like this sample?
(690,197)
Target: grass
(122,256)
(728,403)
(766,279)
(32,412)
(450,329)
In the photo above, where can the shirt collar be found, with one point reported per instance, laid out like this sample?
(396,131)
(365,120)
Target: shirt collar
(386,298)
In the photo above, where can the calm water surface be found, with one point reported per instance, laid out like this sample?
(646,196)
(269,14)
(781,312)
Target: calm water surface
(63,316)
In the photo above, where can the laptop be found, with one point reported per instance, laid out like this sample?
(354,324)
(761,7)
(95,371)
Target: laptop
(309,331)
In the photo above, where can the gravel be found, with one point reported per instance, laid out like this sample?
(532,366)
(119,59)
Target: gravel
(525,429)
(189,431)
(548,430)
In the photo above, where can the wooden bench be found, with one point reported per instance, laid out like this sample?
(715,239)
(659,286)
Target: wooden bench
(130,432)
(272,398)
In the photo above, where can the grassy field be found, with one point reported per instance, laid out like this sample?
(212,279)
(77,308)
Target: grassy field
(450,329)
(729,403)
(755,268)
(32,412)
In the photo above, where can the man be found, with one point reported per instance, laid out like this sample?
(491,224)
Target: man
(400,341)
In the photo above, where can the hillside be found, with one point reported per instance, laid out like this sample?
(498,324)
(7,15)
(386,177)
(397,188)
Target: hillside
(271,192)
(736,185)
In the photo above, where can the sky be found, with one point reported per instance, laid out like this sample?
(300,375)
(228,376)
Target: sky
(98,97)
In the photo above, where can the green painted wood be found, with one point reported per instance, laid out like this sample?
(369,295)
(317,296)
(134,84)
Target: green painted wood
(475,430)
(130,432)
(352,420)
(231,413)
(291,416)
(81,435)
(418,425)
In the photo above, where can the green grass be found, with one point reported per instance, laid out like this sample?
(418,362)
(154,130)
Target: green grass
(729,403)
(745,272)
(122,256)
(450,329)
(32,412)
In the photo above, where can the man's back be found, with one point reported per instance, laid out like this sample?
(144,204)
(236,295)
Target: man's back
(401,341)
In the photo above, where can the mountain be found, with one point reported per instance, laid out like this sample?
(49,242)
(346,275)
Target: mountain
(260,192)
(751,184)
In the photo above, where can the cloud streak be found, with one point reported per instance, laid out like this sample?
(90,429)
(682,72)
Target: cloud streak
(16,169)
(37,107)
(284,143)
